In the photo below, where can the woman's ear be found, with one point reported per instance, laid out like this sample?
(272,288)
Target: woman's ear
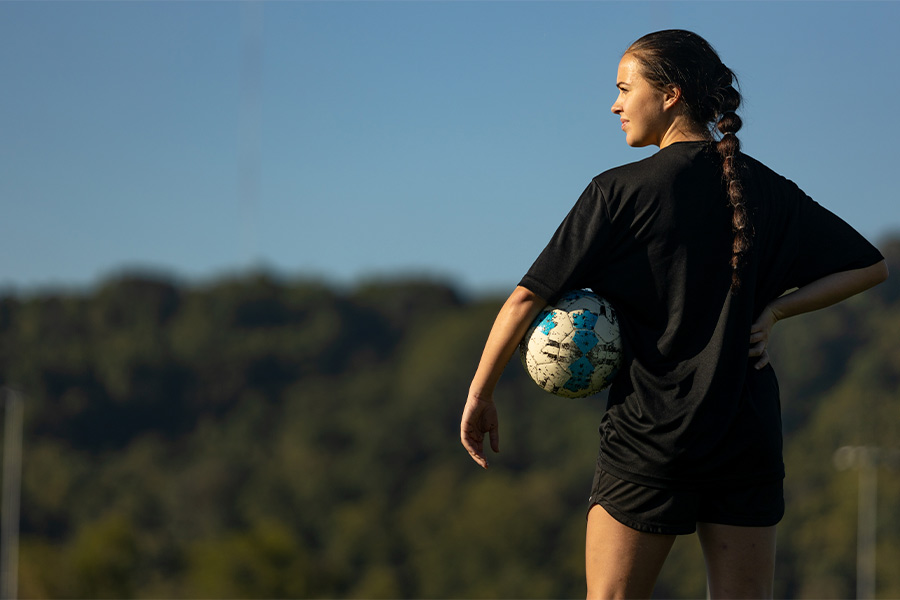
(672,95)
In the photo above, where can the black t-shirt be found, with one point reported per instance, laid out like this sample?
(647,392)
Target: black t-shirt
(654,238)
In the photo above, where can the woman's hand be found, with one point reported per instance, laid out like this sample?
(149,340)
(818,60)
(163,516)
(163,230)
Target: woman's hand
(479,418)
(759,336)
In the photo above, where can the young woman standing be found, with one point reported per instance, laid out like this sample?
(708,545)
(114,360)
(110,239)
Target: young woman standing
(695,246)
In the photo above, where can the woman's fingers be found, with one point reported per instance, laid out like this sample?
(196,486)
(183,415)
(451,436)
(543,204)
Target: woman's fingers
(480,419)
(758,349)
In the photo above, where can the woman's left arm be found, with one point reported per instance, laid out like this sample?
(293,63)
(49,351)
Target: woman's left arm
(821,293)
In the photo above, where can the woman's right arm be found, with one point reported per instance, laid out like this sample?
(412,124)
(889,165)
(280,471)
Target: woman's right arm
(480,414)
(821,293)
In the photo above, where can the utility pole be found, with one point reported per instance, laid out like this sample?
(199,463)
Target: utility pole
(12,483)
(250,128)
(866,460)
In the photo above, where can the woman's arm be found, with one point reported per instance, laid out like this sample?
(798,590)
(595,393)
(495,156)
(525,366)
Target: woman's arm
(480,415)
(813,296)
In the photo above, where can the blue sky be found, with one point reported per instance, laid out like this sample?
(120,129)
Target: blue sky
(358,140)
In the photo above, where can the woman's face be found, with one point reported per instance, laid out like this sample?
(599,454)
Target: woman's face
(640,106)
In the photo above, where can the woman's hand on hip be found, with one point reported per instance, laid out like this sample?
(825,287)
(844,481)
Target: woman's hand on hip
(759,336)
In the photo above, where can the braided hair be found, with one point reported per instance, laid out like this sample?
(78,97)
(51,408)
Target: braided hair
(687,61)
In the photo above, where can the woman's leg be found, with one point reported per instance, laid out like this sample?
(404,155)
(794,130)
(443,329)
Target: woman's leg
(740,561)
(622,562)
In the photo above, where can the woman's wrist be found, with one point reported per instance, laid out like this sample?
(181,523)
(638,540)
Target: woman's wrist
(481,394)
(777,310)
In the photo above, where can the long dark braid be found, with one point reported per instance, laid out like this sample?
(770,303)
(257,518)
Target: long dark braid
(686,60)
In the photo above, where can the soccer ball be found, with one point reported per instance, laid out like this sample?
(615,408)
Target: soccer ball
(573,349)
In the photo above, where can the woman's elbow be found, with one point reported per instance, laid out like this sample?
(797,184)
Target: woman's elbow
(879,272)
(522,295)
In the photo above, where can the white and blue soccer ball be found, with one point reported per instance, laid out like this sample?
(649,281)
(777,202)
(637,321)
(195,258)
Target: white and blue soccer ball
(573,349)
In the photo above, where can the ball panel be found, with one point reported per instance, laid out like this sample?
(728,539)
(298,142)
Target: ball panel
(547,323)
(585,340)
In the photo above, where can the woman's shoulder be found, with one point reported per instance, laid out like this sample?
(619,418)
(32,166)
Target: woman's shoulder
(766,180)
(658,168)
(624,171)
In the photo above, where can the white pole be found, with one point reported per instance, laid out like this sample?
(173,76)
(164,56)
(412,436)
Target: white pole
(865,459)
(12,479)
(867,465)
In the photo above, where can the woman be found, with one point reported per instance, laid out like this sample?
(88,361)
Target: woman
(695,246)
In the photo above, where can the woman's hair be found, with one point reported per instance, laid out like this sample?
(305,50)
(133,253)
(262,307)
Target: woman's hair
(687,61)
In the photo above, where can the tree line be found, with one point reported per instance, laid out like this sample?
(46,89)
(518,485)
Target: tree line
(264,437)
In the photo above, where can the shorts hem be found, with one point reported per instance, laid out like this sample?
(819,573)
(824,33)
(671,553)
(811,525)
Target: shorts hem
(626,520)
(742,523)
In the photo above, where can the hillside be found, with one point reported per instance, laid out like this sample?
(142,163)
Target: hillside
(267,438)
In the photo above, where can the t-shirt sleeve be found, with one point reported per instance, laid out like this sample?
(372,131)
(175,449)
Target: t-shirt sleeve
(571,257)
(825,244)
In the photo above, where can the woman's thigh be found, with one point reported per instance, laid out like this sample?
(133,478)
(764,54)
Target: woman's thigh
(622,562)
(740,561)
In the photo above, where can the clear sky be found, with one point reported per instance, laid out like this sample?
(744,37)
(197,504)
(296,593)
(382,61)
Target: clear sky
(354,140)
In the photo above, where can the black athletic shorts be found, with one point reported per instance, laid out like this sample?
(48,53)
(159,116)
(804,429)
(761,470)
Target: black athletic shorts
(677,512)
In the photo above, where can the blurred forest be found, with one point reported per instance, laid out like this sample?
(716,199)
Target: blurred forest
(257,437)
